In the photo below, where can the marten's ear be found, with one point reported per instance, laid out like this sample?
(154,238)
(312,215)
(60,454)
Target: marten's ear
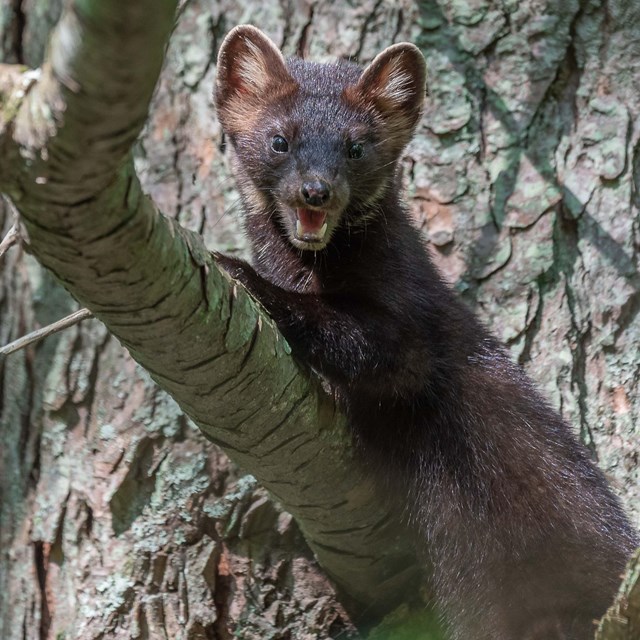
(394,85)
(251,72)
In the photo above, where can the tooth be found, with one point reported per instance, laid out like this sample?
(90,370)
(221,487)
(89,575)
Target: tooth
(323,230)
(299,229)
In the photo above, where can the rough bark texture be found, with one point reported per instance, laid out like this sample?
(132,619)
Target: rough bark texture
(117,518)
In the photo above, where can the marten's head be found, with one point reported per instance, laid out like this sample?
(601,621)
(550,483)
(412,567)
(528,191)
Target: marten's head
(316,144)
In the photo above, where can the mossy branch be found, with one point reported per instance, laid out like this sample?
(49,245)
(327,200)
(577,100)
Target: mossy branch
(67,168)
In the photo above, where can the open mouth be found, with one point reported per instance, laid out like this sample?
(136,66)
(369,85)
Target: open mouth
(311,226)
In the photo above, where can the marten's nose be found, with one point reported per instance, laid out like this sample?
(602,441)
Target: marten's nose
(316,192)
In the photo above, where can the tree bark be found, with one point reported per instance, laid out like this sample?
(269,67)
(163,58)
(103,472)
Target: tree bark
(117,518)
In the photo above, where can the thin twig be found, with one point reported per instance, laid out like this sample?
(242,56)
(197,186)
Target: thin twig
(13,235)
(39,334)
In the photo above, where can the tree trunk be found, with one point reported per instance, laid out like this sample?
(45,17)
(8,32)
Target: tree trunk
(117,517)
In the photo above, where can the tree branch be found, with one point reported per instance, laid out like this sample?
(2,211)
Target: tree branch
(159,291)
(622,621)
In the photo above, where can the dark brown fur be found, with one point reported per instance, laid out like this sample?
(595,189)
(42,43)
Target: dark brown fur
(526,539)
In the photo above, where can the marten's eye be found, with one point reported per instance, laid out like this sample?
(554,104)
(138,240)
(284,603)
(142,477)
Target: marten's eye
(356,151)
(279,144)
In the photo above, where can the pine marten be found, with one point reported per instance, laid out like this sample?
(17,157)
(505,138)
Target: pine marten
(525,538)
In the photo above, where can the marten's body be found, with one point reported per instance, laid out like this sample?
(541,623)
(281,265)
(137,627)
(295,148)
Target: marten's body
(525,538)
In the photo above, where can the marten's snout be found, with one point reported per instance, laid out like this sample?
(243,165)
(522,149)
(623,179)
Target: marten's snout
(316,192)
